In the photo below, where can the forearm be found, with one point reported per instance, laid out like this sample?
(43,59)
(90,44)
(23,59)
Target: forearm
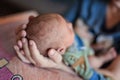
(32,73)
(66,68)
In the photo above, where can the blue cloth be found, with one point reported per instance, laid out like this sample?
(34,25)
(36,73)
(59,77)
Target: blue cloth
(97,76)
(91,11)
(72,12)
(78,41)
(78,45)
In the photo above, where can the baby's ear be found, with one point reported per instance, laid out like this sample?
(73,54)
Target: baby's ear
(61,50)
(31,17)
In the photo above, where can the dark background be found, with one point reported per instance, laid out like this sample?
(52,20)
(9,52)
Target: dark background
(42,6)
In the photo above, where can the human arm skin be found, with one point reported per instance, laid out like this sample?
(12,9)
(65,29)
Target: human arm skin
(16,66)
(28,52)
(29,72)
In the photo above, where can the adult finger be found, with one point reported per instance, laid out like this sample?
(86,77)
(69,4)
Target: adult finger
(38,58)
(21,34)
(21,27)
(26,50)
(55,56)
(20,54)
(19,43)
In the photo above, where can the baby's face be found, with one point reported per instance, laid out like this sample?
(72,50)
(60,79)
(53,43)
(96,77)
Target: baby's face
(69,36)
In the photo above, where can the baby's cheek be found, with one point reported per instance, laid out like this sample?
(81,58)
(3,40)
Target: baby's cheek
(71,40)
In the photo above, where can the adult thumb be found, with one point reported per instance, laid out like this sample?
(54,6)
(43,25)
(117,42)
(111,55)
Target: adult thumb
(55,56)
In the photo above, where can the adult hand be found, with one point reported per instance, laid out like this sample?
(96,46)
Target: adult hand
(27,51)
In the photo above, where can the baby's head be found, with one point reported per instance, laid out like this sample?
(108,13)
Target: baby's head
(50,31)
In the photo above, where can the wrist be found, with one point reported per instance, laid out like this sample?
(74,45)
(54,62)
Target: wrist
(66,68)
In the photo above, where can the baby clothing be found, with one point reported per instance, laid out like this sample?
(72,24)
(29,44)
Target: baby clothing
(77,57)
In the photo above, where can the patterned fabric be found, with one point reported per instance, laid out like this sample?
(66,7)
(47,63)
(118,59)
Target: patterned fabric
(3,62)
(97,76)
(76,57)
(5,74)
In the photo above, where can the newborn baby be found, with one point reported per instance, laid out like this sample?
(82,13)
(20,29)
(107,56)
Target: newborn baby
(51,31)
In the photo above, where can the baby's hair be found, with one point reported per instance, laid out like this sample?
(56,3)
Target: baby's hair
(46,31)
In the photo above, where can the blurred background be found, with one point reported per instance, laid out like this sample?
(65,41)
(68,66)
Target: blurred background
(101,17)
(42,6)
